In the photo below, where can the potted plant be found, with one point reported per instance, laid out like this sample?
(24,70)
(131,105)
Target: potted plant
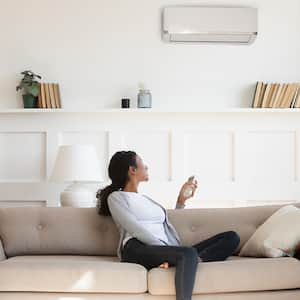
(31,89)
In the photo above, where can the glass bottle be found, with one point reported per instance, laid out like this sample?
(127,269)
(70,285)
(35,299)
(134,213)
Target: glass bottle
(144,98)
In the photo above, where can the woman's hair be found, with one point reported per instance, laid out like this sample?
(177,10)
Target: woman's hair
(118,173)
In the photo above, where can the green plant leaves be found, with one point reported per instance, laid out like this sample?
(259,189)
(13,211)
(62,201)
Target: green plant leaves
(29,84)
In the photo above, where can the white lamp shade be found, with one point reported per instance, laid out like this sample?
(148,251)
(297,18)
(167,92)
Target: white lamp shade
(76,162)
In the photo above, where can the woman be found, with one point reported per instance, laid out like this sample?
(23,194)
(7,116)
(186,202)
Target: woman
(146,235)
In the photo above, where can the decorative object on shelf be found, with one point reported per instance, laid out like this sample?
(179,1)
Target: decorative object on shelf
(125,103)
(77,163)
(31,89)
(49,96)
(144,97)
(276,95)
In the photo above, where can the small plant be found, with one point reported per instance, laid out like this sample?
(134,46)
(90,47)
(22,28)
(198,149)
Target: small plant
(31,88)
(29,84)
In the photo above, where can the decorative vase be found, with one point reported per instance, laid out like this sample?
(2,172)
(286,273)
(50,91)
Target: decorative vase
(30,101)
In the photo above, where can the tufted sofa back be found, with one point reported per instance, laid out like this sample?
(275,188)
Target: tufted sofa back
(57,230)
(82,231)
(194,225)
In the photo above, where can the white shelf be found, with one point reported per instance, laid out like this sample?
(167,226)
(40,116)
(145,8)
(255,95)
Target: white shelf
(151,110)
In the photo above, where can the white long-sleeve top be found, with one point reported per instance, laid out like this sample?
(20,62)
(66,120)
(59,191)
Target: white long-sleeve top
(137,215)
(151,216)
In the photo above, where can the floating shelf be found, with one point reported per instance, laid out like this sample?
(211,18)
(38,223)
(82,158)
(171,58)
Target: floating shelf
(150,110)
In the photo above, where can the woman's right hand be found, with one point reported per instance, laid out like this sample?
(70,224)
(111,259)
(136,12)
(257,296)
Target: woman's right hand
(164,265)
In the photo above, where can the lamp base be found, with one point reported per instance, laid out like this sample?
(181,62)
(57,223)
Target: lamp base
(78,195)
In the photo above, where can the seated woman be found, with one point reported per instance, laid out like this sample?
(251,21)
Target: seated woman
(146,235)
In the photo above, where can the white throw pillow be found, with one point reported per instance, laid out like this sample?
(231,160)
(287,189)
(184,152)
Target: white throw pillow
(278,236)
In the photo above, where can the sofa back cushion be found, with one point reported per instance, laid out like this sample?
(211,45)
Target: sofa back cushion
(194,225)
(57,230)
(82,231)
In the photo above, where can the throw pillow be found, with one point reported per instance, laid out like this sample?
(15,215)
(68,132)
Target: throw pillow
(278,236)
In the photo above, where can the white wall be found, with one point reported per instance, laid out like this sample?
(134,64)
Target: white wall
(99,50)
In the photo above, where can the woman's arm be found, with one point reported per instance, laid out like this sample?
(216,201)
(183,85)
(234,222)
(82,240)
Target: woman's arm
(121,214)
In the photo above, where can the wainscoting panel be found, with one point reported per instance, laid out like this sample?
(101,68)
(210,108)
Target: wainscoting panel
(209,155)
(22,156)
(239,158)
(153,147)
(267,156)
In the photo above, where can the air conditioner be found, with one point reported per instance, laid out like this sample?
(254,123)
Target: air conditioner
(209,24)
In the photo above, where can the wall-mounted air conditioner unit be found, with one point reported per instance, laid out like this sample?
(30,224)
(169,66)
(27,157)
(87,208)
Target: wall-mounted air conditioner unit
(209,24)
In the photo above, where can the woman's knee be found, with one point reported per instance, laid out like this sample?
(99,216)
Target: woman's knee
(189,253)
(233,237)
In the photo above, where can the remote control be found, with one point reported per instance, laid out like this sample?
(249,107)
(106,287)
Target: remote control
(188,191)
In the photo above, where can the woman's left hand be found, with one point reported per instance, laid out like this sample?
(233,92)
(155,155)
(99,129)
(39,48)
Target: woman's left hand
(193,185)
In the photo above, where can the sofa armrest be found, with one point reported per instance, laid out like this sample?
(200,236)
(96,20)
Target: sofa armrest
(2,253)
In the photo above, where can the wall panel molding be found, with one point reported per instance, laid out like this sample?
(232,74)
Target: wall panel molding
(239,159)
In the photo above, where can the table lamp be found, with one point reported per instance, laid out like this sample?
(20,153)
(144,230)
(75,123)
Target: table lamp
(77,163)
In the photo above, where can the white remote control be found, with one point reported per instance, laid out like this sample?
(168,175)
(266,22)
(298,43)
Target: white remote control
(188,191)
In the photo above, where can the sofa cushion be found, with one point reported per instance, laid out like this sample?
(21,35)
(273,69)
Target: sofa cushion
(235,274)
(57,230)
(2,253)
(71,273)
(278,236)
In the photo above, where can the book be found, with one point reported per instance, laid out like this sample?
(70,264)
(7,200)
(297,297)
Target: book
(39,102)
(288,96)
(54,96)
(43,95)
(292,94)
(258,90)
(270,95)
(51,93)
(262,93)
(282,94)
(47,96)
(57,95)
(297,100)
(266,95)
(276,101)
(295,95)
(274,95)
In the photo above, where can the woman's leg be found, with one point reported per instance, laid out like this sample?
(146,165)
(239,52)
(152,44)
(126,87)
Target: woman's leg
(218,247)
(150,256)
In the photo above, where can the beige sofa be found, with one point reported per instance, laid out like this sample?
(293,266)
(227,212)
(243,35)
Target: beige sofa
(67,253)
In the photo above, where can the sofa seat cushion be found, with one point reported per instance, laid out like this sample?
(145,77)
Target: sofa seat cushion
(235,274)
(71,273)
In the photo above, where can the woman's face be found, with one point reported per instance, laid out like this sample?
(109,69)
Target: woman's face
(141,172)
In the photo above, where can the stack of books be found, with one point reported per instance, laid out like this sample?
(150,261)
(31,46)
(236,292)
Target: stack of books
(277,95)
(49,96)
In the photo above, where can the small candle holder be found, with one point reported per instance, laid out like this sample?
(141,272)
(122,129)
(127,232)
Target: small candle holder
(125,103)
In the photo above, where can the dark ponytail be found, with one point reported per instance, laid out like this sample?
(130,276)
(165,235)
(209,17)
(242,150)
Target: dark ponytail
(118,173)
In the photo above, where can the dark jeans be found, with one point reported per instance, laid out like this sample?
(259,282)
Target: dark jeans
(185,258)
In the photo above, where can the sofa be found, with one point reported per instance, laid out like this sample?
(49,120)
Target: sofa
(69,253)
